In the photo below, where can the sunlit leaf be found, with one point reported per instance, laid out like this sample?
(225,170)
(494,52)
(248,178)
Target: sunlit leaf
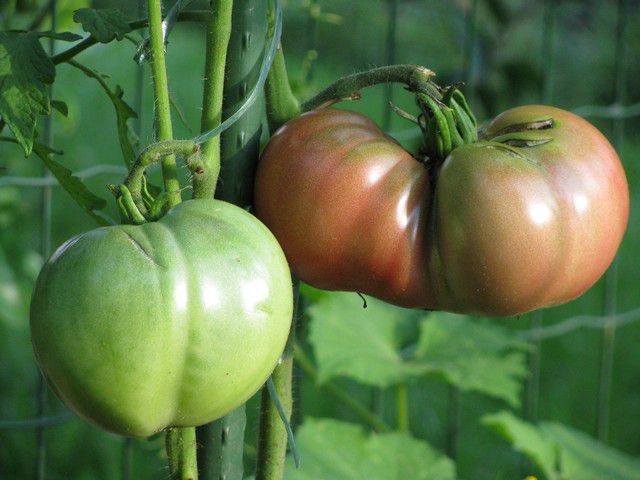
(333,450)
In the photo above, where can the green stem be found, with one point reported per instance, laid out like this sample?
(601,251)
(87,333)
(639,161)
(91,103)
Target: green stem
(402,407)
(154,153)
(181,450)
(338,394)
(282,105)
(164,130)
(415,77)
(218,33)
(199,16)
(272,440)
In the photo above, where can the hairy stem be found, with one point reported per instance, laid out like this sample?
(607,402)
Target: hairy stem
(181,450)
(415,77)
(218,33)
(282,105)
(164,130)
(272,442)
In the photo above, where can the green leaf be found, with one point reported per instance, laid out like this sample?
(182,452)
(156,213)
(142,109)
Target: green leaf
(563,453)
(360,343)
(367,345)
(472,355)
(335,450)
(64,36)
(25,72)
(72,184)
(126,136)
(104,25)
(527,439)
(61,107)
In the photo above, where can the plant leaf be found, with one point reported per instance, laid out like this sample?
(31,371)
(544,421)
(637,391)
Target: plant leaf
(72,184)
(60,106)
(104,24)
(335,450)
(563,453)
(126,136)
(472,355)
(359,343)
(25,72)
(64,36)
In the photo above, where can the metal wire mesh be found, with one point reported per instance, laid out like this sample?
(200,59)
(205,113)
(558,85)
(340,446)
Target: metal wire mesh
(608,322)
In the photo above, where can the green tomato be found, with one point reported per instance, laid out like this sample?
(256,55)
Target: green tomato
(171,323)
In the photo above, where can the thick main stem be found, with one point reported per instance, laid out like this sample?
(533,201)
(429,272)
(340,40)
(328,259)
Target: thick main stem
(217,40)
(164,130)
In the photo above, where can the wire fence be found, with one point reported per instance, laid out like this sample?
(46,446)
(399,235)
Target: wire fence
(608,322)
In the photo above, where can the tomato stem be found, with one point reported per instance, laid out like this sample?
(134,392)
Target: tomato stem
(416,77)
(217,40)
(154,153)
(164,130)
(282,105)
(181,451)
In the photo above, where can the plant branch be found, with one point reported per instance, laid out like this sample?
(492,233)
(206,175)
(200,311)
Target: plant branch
(415,77)
(199,16)
(181,450)
(218,33)
(272,439)
(338,394)
(282,105)
(164,130)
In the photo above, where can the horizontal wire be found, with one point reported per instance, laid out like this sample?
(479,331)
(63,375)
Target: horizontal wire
(571,324)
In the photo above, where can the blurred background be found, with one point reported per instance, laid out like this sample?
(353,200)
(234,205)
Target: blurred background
(584,375)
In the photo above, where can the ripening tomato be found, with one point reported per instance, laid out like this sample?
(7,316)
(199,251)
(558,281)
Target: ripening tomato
(171,323)
(529,216)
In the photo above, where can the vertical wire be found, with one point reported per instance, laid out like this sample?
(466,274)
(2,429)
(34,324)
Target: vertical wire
(127,443)
(390,58)
(611,277)
(45,250)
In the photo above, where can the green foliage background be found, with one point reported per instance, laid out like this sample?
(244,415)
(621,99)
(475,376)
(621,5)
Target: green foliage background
(506,69)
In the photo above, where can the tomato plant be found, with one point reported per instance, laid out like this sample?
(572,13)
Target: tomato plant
(528,216)
(171,323)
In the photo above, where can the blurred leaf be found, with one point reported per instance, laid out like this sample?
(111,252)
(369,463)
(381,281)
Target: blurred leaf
(10,301)
(564,453)
(472,355)
(60,106)
(72,184)
(64,36)
(367,345)
(126,136)
(336,450)
(25,72)
(104,25)
(360,343)
(527,439)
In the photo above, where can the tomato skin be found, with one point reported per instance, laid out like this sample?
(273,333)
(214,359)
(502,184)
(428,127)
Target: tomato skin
(171,323)
(502,231)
